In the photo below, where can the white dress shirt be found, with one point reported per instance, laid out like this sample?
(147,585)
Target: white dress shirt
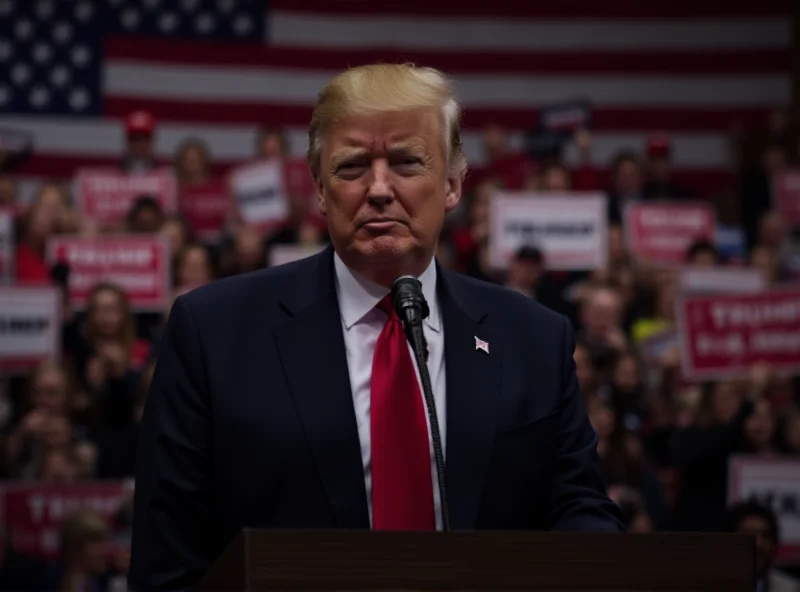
(361,325)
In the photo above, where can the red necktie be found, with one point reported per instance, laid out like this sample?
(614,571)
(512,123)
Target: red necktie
(402,488)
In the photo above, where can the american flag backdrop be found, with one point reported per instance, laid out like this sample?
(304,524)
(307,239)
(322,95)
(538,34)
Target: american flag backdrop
(70,70)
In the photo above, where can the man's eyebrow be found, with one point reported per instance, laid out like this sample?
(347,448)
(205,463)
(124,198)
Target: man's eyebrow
(345,154)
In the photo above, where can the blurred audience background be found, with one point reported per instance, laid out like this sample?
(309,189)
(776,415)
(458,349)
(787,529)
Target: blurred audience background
(151,147)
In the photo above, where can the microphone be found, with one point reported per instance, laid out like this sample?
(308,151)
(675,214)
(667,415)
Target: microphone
(410,305)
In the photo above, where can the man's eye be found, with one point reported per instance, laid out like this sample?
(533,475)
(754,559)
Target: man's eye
(410,161)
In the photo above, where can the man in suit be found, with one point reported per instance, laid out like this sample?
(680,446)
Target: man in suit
(287,398)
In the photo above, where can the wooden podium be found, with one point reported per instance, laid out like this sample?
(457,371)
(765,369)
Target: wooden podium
(363,560)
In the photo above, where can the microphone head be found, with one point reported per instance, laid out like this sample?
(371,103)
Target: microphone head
(407,297)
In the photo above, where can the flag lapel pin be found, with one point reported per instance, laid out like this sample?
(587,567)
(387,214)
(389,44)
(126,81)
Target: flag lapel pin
(482,345)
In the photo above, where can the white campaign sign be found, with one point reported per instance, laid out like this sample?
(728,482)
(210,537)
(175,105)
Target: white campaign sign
(30,325)
(571,229)
(260,191)
(722,280)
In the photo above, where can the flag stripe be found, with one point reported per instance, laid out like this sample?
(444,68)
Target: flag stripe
(604,119)
(193,83)
(287,28)
(651,62)
(618,9)
(227,142)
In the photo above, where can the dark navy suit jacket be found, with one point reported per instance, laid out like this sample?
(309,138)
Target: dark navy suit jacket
(250,420)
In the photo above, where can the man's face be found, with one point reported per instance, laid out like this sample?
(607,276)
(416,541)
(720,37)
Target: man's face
(384,187)
(766,547)
(140,146)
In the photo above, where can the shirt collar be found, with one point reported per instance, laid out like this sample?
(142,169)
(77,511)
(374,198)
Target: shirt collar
(358,295)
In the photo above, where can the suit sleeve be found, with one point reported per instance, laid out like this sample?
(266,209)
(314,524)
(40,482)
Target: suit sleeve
(172,542)
(578,495)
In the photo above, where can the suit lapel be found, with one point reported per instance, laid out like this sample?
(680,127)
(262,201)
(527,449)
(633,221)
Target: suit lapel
(473,379)
(312,351)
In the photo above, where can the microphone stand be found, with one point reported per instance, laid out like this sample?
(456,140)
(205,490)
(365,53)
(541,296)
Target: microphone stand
(419,345)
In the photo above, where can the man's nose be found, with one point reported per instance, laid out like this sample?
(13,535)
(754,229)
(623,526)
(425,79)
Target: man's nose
(380,189)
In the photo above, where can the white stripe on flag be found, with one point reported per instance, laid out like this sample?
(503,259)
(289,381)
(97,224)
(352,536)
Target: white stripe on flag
(208,84)
(307,30)
(231,142)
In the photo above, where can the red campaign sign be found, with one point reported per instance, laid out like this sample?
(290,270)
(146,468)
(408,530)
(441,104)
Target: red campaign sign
(786,191)
(663,232)
(140,264)
(105,196)
(34,513)
(206,207)
(724,335)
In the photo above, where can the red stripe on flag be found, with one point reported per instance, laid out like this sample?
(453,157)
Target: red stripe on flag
(704,182)
(717,63)
(605,119)
(574,9)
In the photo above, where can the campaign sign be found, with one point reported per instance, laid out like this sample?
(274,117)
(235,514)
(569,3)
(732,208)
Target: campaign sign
(35,512)
(6,246)
(30,326)
(571,229)
(140,264)
(105,196)
(205,207)
(724,335)
(698,279)
(662,232)
(260,193)
(566,115)
(774,483)
(786,192)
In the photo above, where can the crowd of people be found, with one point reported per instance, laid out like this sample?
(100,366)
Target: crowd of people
(664,442)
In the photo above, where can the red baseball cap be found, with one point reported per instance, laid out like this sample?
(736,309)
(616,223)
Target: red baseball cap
(658,145)
(140,122)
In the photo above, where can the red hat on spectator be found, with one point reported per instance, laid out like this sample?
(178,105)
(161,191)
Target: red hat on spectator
(140,122)
(658,145)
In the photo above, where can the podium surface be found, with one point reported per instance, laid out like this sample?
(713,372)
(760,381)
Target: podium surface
(367,560)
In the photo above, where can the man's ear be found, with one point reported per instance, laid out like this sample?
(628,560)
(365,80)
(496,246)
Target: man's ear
(321,206)
(452,193)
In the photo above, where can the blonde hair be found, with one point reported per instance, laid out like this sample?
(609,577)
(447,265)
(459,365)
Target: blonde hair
(380,88)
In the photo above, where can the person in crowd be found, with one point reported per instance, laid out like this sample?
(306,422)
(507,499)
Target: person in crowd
(236,352)
(271,143)
(759,429)
(527,275)
(789,433)
(588,375)
(627,187)
(766,259)
(194,266)
(468,238)
(553,177)
(703,253)
(510,167)
(245,253)
(9,190)
(145,216)
(627,391)
(601,321)
(104,349)
(84,559)
(754,519)
(17,571)
(49,215)
(300,227)
(702,450)
(192,163)
(139,156)
(117,442)
(660,183)
(178,232)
